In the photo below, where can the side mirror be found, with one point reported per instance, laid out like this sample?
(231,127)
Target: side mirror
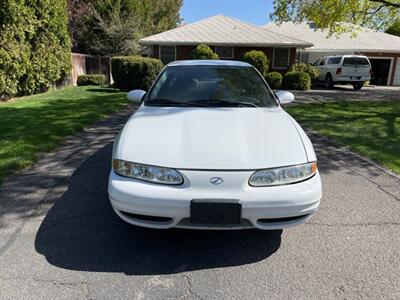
(136,96)
(284,97)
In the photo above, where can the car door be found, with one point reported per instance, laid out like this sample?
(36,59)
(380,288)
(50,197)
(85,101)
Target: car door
(322,68)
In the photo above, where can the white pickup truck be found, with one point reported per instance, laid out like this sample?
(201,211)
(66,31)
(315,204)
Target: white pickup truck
(344,69)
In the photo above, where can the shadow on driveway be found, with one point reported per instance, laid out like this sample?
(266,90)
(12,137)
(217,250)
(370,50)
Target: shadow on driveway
(81,232)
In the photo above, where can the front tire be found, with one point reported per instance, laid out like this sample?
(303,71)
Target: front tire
(328,81)
(358,85)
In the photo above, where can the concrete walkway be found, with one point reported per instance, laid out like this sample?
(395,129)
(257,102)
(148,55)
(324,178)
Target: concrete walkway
(60,239)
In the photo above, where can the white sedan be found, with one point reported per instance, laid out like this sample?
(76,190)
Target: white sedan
(211,148)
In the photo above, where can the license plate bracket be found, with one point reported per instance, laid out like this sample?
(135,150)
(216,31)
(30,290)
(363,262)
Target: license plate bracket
(218,211)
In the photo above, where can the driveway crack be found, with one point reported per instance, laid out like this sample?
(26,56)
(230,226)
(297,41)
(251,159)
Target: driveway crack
(191,292)
(40,280)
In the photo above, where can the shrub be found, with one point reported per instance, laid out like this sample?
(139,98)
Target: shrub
(91,79)
(297,81)
(307,68)
(134,72)
(34,46)
(274,80)
(203,52)
(258,59)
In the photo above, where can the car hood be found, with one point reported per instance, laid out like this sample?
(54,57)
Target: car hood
(211,138)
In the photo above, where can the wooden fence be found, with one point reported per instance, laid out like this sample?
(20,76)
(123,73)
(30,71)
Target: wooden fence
(90,64)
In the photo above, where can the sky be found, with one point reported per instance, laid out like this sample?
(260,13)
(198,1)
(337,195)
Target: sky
(253,11)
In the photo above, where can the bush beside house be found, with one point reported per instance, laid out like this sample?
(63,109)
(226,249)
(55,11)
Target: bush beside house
(34,46)
(91,79)
(307,68)
(297,81)
(274,80)
(134,72)
(203,52)
(258,59)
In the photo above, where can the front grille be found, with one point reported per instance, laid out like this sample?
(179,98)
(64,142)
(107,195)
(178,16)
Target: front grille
(187,222)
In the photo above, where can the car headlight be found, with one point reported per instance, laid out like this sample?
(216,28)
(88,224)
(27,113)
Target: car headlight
(283,175)
(147,172)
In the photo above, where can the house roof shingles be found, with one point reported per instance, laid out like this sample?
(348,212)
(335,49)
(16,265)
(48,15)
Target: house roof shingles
(223,30)
(367,40)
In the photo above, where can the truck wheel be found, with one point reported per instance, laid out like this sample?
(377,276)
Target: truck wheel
(328,81)
(358,85)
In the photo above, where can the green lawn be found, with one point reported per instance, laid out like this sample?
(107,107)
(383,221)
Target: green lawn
(36,124)
(369,128)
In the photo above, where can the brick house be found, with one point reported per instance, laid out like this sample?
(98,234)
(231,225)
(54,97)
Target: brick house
(230,38)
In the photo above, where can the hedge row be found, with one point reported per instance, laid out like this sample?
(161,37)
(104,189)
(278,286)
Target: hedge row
(91,79)
(34,46)
(134,72)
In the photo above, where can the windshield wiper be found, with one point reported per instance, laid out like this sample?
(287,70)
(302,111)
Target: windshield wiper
(214,102)
(164,101)
(199,103)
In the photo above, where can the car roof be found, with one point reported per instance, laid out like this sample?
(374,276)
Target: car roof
(344,55)
(206,62)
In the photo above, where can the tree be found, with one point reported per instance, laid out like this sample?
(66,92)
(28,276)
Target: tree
(34,46)
(338,16)
(115,26)
(394,28)
(78,12)
(160,15)
(119,33)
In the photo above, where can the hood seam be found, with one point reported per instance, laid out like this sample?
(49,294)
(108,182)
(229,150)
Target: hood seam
(301,139)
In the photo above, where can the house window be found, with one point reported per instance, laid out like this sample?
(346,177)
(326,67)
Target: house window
(167,54)
(304,57)
(224,52)
(281,58)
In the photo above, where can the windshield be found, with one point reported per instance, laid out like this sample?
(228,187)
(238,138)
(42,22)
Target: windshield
(355,61)
(218,86)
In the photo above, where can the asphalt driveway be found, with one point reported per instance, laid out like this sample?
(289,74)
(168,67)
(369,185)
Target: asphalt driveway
(59,237)
(320,94)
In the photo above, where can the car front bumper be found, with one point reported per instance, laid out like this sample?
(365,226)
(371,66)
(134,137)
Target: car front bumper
(162,206)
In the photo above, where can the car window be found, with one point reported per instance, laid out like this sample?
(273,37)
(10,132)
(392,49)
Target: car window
(210,86)
(334,60)
(322,62)
(316,63)
(363,61)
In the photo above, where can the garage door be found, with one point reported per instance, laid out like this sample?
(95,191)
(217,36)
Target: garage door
(380,71)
